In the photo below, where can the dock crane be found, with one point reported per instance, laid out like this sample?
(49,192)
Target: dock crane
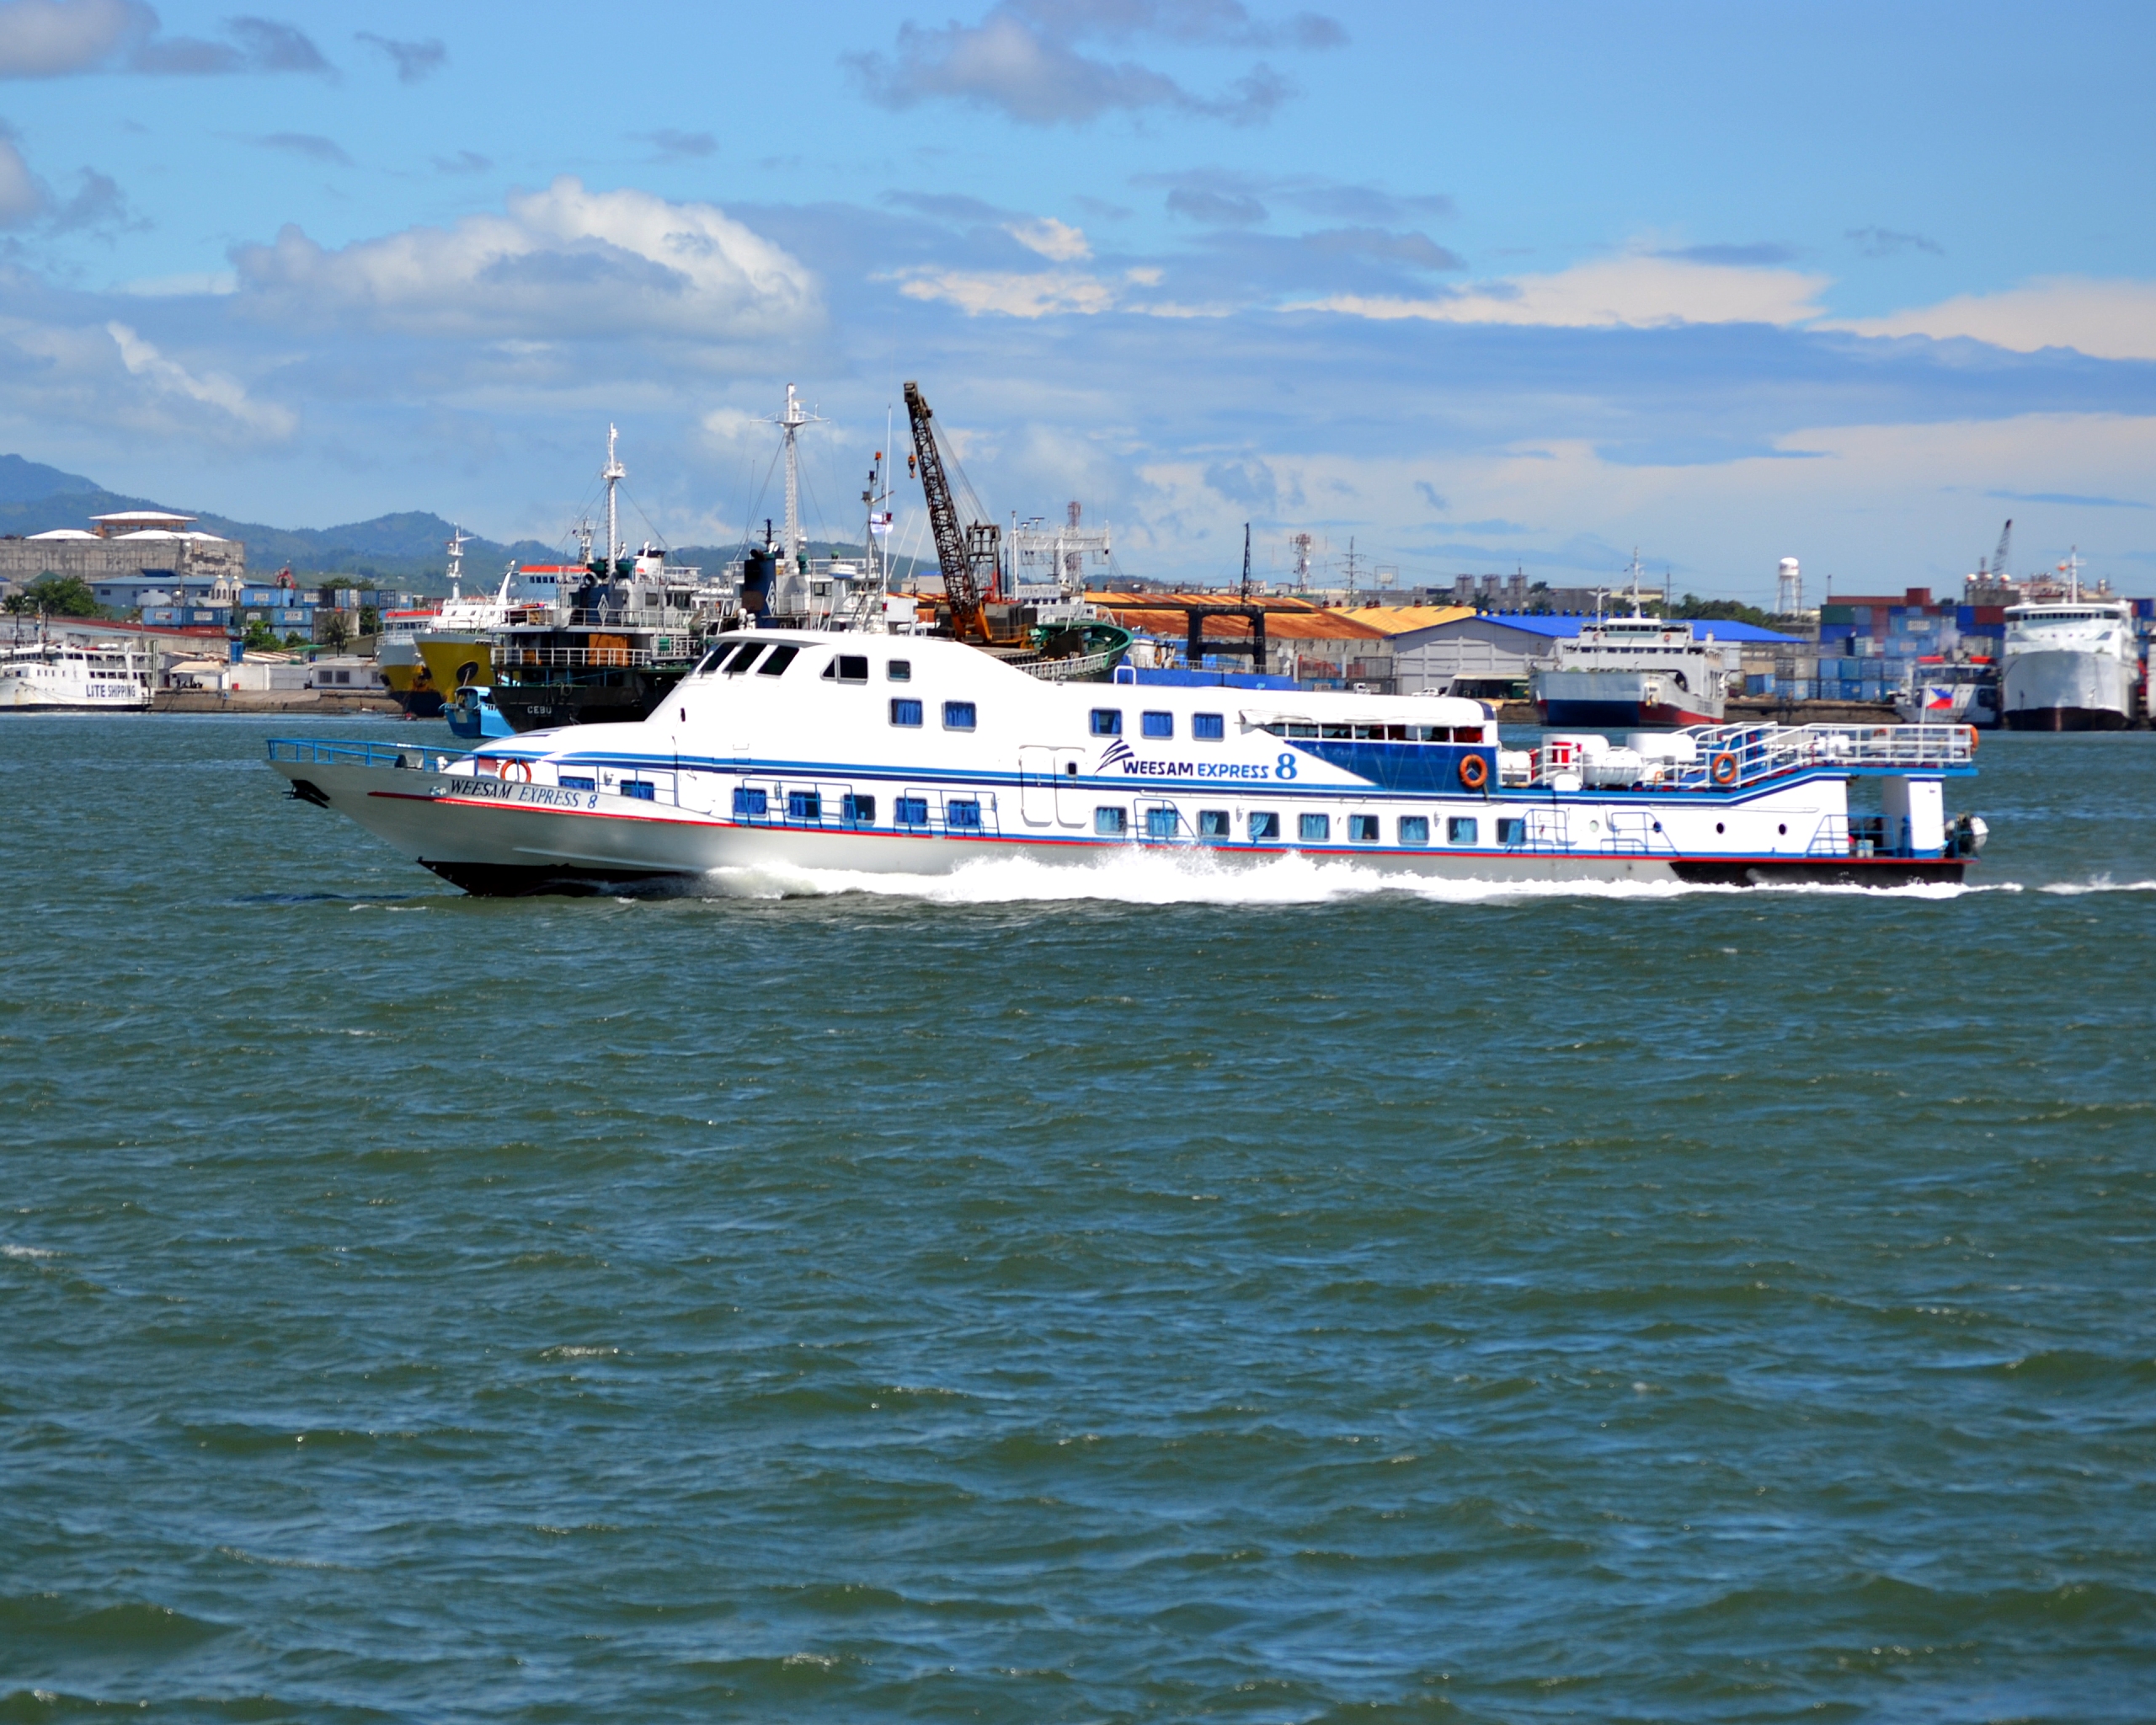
(1998,557)
(970,553)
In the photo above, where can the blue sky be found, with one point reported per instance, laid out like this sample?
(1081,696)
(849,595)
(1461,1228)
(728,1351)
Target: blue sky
(1480,286)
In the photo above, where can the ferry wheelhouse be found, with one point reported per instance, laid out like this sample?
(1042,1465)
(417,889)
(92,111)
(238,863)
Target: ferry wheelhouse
(915,755)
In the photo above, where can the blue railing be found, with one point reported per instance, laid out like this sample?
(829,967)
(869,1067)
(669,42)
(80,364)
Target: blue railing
(414,756)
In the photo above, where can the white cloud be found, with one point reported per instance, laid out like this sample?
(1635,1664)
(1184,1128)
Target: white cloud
(1011,294)
(2107,320)
(562,262)
(1637,291)
(1056,241)
(212,389)
(52,38)
(1878,508)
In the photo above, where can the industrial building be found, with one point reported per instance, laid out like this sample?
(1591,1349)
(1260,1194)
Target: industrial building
(1319,648)
(1492,654)
(142,546)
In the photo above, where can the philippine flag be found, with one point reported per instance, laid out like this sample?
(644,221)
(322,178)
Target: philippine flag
(1938,700)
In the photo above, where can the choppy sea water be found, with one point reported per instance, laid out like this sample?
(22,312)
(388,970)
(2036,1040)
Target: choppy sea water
(1141,1296)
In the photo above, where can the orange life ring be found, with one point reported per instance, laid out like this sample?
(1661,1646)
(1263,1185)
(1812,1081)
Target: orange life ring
(521,767)
(1474,771)
(1723,770)
(1972,730)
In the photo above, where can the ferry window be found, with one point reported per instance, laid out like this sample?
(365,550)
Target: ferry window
(1264,825)
(1161,822)
(848,669)
(906,712)
(1341,732)
(1207,726)
(1108,823)
(1212,823)
(743,656)
(860,811)
(1302,730)
(1157,724)
(913,811)
(900,670)
(576,781)
(641,789)
(958,715)
(804,805)
(777,660)
(961,815)
(1414,830)
(1314,829)
(1369,733)
(1461,829)
(1512,832)
(750,805)
(1107,722)
(1362,829)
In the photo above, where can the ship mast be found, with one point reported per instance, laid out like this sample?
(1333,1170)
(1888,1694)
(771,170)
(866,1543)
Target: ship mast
(457,541)
(791,421)
(613,473)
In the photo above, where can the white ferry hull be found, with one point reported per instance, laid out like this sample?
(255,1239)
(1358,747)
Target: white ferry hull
(487,839)
(27,692)
(2066,690)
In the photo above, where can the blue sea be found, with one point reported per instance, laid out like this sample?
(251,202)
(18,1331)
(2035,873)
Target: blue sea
(1132,1295)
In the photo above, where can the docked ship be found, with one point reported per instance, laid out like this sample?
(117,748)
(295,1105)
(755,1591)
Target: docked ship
(2069,664)
(1638,672)
(1962,693)
(67,676)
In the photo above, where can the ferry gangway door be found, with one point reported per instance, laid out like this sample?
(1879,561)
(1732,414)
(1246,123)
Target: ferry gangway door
(1048,789)
(1037,786)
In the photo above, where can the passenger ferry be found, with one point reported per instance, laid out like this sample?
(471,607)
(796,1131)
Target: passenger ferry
(2068,667)
(915,755)
(1622,672)
(1633,670)
(61,677)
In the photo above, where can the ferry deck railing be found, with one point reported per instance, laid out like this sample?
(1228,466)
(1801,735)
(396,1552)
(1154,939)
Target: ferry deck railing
(309,751)
(1734,757)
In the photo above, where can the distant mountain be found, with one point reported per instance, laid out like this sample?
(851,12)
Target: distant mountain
(406,549)
(26,482)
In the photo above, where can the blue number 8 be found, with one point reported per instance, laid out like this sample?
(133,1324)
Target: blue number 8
(1284,767)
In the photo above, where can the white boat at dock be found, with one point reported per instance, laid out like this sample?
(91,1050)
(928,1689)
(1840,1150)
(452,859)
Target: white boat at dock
(2068,667)
(1624,672)
(915,755)
(73,676)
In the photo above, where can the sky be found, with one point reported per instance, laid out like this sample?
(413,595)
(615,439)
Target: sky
(1475,287)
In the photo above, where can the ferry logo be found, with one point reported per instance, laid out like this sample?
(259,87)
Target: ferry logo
(1116,751)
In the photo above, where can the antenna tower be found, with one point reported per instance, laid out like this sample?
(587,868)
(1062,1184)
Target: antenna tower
(791,421)
(613,473)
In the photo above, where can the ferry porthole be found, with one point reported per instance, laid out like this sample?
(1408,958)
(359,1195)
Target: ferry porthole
(1783,830)
(1718,827)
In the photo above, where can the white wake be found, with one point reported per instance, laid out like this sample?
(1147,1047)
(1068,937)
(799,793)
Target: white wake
(1153,876)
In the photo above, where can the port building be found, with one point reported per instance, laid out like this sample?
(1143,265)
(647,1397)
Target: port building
(151,548)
